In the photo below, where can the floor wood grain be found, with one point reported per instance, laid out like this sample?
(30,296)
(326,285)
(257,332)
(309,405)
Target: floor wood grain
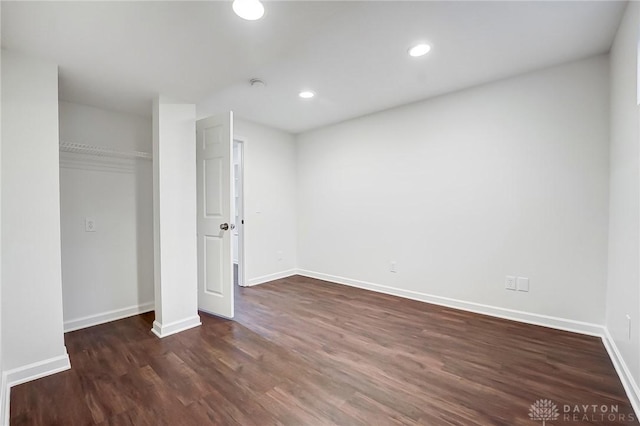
(308,352)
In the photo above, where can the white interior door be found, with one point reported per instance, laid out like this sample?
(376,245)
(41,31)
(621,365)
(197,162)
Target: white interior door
(214,137)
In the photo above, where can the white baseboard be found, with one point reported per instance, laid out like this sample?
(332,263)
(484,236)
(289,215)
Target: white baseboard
(271,277)
(494,311)
(37,370)
(164,330)
(5,400)
(91,320)
(27,373)
(628,382)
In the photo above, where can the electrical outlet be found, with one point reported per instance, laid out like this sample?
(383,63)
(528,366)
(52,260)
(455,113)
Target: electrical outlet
(523,284)
(510,283)
(393,267)
(628,326)
(89,224)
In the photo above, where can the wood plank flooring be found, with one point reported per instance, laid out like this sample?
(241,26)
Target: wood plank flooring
(307,352)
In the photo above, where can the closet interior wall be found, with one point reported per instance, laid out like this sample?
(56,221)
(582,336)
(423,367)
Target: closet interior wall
(106,215)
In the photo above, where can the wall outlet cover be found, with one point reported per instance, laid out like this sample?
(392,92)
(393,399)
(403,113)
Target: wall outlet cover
(523,284)
(510,282)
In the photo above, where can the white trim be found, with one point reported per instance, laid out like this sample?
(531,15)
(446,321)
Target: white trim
(240,227)
(37,370)
(91,320)
(164,330)
(213,314)
(628,382)
(494,311)
(5,400)
(272,277)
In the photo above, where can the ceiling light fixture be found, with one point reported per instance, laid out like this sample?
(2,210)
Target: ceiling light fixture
(419,50)
(306,94)
(250,10)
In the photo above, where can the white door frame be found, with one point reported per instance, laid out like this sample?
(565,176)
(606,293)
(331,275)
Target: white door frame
(240,141)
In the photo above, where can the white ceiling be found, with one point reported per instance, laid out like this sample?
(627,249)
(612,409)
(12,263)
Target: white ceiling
(118,55)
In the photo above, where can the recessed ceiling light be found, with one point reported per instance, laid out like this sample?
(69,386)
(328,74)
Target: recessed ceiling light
(306,94)
(419,50)
(250,10)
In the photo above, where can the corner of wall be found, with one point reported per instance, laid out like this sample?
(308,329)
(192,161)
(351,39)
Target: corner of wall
(37,370)
(25,374)
(104,317)
(628,382)
(271,277)
(623,284)
(164,330)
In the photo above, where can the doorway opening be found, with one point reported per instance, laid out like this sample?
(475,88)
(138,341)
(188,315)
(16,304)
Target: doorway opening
(238,198)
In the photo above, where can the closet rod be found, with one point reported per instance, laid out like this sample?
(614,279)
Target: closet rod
(102,152)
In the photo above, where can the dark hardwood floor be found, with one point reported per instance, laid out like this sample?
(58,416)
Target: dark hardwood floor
(307,352)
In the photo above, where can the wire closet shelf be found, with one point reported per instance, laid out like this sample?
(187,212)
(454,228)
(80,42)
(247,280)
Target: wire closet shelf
(79,148)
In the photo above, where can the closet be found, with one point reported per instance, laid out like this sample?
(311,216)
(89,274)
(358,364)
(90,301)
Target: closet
(106,215)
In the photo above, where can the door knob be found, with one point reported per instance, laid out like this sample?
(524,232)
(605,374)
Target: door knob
(224,226)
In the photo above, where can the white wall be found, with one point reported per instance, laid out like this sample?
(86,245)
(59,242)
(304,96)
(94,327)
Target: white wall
(108,129)
(174,217)
(106,274)
(31,271)
(270,201)
(623,292)
(510,178)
